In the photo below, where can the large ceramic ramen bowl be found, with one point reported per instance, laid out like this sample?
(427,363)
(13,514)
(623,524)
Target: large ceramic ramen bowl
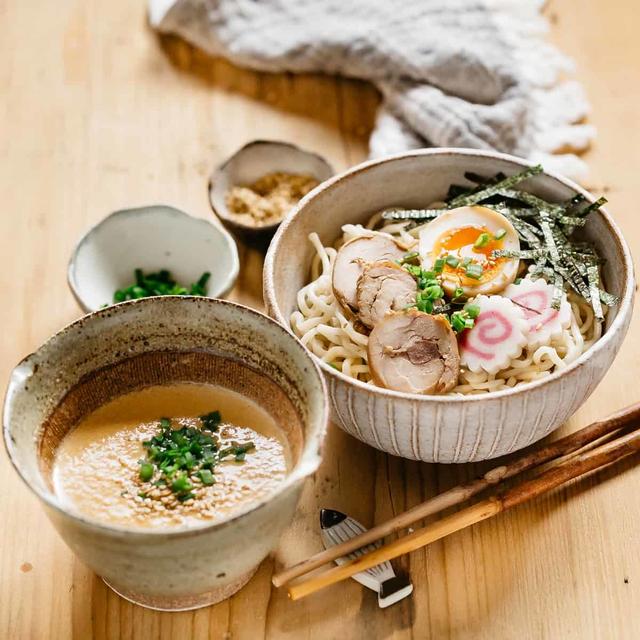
(443,428)
(153,341)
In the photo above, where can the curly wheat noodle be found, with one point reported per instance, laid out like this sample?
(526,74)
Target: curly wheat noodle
(323,328)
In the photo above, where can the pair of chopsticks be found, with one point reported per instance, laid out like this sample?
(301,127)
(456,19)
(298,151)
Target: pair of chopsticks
(588,449)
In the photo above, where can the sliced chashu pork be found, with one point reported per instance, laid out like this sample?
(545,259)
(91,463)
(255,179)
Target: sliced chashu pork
(383,287)
(351,261)
(414,352)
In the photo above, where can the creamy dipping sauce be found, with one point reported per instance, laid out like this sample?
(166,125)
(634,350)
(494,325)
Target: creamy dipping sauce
(96,469)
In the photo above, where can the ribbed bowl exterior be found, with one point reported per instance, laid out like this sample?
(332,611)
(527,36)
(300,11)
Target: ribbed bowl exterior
(447,429)
(465,431)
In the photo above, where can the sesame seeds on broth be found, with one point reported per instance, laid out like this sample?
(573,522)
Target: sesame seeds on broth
(99,467)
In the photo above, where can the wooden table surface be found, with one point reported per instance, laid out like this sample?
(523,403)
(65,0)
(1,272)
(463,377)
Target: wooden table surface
(98,114)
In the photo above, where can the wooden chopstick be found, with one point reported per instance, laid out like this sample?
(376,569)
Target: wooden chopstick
(601,456)
(535,457)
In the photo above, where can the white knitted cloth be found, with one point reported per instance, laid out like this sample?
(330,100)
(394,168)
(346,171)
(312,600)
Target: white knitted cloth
(453,73)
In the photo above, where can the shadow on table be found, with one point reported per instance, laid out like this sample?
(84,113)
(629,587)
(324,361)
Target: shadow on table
(346,104)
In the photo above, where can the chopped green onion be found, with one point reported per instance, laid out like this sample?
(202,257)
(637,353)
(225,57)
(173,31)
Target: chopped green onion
(500,233)
(199,288)
(424,304)
(463,319)
(452,261)
(408,257)
(482,240)
(181,455)
(434,292)
(160,283)
(180,484)
(438,265)
(146,471)
(206,476)
(474,271)
(473,310)
(457,321)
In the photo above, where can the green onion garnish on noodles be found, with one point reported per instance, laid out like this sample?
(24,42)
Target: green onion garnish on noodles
(473,310)
(461,320)
(452,261)
(473,271)
(482,240)
(410,257)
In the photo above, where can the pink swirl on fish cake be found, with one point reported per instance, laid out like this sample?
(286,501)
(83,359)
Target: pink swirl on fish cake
(483,330)
(498,335)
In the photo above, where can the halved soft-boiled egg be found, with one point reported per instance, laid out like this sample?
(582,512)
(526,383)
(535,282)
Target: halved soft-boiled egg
(462,241)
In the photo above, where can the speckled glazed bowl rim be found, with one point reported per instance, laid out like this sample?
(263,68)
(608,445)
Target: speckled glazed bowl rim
(624,306)
(225,284)
(307,464)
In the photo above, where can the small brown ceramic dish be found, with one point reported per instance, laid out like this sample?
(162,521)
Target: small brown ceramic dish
(444,428)
(250,163)
(156,341)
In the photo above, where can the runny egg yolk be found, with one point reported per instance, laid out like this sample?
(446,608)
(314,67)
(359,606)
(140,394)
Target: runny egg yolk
(461,243)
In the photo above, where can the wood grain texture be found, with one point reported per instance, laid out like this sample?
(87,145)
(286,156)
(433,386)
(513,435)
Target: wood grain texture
(98,114)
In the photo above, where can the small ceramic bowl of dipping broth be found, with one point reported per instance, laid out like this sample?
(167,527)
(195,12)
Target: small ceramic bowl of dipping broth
(452,427)
(267,177)
(151,239)
(177,356)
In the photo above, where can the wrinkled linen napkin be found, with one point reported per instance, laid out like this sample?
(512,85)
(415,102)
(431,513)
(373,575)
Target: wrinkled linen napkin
(452,73)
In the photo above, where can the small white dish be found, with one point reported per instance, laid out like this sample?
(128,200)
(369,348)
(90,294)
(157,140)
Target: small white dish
(150,238)
(250,163)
